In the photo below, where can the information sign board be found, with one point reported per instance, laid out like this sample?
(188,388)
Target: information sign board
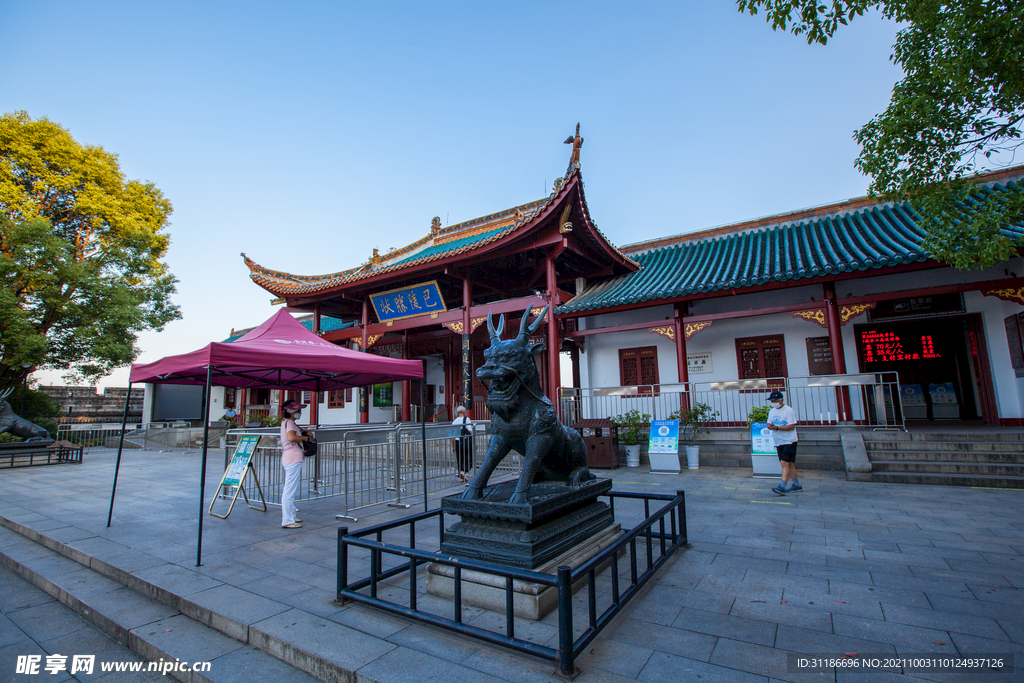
(235,474)
(382,395)
(663,447)
(763,455)
(699,363)
(243,456)
(664,437)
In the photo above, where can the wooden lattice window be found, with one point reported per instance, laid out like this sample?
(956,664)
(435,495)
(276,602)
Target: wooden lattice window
(761,357)
(336,399)
(638,367)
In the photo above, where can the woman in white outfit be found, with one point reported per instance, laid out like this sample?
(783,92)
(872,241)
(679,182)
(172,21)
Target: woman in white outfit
(291,461)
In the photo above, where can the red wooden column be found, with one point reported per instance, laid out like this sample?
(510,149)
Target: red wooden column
(554,375)
(364,396)
(406,384)
(467,348)
(835,342)
(314,404)
(683,371)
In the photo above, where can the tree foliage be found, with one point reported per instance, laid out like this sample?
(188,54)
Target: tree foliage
(80,250)
(957,111)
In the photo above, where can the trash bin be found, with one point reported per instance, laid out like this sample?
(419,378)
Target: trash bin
(602,440)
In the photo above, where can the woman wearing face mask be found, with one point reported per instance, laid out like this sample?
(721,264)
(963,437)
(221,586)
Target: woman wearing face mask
(291,461)
(782,423)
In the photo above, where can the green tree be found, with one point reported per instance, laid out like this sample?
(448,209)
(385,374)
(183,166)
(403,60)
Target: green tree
(80,250)
(957,111)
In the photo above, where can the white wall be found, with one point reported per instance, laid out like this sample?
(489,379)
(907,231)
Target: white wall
(600,363)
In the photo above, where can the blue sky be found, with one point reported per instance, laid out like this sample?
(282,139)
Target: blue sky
(306,134)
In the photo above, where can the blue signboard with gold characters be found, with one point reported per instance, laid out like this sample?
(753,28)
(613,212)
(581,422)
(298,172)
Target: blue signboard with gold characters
(407,302)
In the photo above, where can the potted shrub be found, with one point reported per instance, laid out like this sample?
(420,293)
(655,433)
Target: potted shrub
(693,422)
(631,433)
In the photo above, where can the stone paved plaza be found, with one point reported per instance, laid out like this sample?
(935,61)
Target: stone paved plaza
(841,567)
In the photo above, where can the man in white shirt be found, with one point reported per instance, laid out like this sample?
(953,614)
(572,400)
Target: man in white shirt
(782,423)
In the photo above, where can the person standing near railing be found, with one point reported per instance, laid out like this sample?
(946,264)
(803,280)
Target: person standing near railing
(782,424)
(291,461)
(461,446)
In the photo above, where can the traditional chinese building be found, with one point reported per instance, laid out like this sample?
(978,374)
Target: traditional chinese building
(835,290)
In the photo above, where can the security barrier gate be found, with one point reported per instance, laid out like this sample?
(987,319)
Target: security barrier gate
(368,465)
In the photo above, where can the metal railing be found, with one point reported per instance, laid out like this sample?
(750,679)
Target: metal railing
(367,465)
(158,436)
(868,399)
(30,455)
(661,534)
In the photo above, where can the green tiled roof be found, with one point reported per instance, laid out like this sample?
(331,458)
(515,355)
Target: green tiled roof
(453,245)
(873,237)
(327,324)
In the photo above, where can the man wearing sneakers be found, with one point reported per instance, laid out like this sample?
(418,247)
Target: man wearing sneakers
(782,423)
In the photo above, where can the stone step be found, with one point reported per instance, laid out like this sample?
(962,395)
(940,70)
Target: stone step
(933,467)
(947,456)
(945,437)
(959,447)
(151,628)
(226,621)
(973,480)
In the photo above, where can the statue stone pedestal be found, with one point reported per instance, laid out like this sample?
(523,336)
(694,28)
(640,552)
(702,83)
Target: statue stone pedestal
(558,526)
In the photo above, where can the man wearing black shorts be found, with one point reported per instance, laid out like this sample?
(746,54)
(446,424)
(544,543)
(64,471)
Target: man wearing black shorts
(782,423)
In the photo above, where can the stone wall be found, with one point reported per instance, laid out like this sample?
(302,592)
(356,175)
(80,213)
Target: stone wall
(95,404)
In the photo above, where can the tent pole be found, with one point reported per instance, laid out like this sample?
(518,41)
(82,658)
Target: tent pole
(202,475)
(120,447)
(423,431)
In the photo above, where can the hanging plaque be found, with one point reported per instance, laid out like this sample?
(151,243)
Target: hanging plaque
(408,302)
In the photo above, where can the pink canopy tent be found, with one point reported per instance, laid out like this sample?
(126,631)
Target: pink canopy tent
(280,353)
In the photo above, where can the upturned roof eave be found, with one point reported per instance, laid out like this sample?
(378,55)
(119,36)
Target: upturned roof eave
(473,253)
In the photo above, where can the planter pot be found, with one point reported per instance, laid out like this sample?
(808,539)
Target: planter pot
(693,457)
(633,456)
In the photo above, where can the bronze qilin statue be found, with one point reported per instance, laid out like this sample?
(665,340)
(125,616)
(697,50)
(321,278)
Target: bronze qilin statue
(522,417)
(19,426)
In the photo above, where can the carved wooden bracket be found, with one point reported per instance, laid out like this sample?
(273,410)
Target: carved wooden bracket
(815,315)
(1014,294)
(666,331)
(370,340)
(690,329)
(475,323)
(455,326)
(848,313)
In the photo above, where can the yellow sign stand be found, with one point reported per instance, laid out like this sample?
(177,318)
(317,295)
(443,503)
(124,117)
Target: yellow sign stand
(234,475)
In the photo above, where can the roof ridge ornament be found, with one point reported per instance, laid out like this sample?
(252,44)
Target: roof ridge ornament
(576,142)
(435,225)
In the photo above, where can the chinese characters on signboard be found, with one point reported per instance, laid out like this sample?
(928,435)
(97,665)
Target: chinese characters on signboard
(882,347)
(407,302)
(699,363)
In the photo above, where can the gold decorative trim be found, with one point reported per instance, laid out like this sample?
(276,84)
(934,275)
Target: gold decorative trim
(669,331)
(433,316)
(690,329)
(536,310)
(455,327)
(815,315)
(1007,294)
(373,339)
(847,313)
(475,323)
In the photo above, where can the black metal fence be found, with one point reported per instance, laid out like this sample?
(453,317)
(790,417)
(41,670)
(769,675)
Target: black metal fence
(15,455)
(661,533)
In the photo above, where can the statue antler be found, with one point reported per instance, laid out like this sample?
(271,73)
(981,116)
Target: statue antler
(5,394)
(495,335)
(524,331)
